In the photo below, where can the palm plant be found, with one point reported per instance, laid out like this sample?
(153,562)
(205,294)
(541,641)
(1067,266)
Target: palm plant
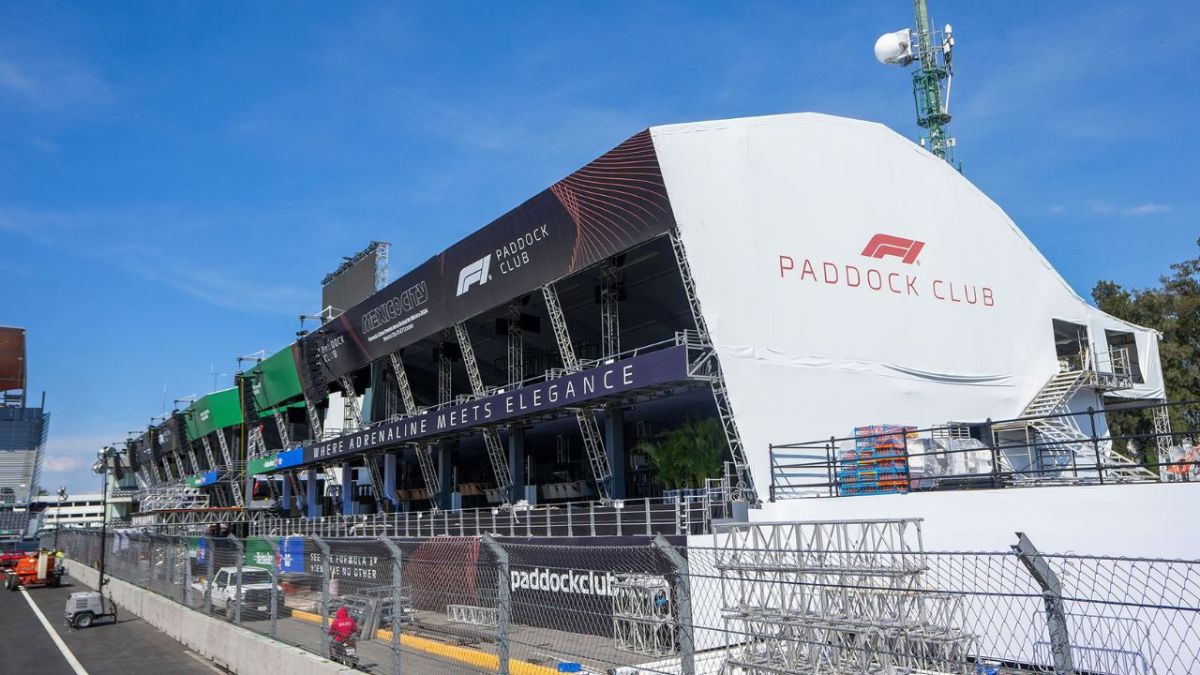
(687,454)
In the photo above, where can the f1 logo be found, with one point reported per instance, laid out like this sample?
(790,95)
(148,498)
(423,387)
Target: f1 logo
(882,245)
(475,273)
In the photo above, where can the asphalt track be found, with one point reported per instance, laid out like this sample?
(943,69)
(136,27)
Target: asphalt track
(129,647)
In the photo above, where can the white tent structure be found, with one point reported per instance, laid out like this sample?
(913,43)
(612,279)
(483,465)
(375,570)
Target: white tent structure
(849,277)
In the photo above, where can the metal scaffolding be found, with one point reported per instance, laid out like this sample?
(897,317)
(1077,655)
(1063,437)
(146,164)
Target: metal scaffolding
(836,597)
(515,345)
(593,442)
(644,619)
(491,438)
(745,486)
(352,415)
(406,395)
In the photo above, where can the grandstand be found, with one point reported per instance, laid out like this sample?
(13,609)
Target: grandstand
(781,277)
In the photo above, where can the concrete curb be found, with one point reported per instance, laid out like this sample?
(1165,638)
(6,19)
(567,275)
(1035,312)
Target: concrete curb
(239,650)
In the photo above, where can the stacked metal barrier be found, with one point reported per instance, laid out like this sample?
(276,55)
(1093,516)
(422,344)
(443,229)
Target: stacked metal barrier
(644,620)
(835,597)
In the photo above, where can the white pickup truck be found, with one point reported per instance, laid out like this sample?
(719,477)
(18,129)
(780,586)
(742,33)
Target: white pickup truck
(256,591)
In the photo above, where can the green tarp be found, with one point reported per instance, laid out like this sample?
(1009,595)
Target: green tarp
(275,381)
(217,410)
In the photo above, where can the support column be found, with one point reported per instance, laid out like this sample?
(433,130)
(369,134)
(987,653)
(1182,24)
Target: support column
(287,495)
(614,447)
(445,476)
(314,508)
(516,462)
(347,490)
(389,479)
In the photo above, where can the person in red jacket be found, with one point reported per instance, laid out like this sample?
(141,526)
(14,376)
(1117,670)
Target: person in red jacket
(343,627)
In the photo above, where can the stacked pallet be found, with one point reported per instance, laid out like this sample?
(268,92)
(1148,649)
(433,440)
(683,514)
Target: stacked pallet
(877,463)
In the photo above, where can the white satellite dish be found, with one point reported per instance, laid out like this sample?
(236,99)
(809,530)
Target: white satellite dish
(895,48)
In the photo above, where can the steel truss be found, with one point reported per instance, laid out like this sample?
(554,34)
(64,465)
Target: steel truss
(491,438)
(515,361)
(610,314)
(285,439)
(433,485)
(644,620)
(445,378)
(208,452)
(1162,436)
(381,497)
(193,520)
(836,597)
(258,445)
(351,413)
(593,442)
(745,486)
(406,395)
(472,615)
(315,430)
(235,476)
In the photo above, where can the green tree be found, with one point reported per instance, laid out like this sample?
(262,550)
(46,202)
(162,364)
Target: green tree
(1173,309)
(687,454)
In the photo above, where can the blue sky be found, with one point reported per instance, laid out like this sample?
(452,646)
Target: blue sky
(176,177)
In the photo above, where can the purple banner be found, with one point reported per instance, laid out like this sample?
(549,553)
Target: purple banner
(661,367)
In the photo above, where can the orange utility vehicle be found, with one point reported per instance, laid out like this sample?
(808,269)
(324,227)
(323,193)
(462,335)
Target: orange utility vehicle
(39,568)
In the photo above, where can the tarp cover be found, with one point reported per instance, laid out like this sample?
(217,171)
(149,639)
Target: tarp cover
(275,380)
(849,277)
(217,410)
(12,358)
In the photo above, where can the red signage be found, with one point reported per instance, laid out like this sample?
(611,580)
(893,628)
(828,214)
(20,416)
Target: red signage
(882,245)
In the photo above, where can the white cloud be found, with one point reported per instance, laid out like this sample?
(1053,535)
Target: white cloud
(59,464)
(1146,209)
(1104,208)
(52,83)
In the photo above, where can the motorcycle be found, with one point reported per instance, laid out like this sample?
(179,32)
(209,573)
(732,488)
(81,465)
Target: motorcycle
(344,652)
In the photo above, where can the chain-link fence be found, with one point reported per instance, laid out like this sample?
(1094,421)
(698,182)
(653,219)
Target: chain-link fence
(832,597)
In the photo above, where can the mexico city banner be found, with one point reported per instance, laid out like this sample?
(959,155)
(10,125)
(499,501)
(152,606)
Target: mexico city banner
(655,368)
(608,206)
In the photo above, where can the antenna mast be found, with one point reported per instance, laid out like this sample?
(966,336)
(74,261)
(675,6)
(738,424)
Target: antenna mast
(932,51)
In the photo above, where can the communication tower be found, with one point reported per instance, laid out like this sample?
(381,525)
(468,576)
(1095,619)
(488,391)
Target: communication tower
(933,53)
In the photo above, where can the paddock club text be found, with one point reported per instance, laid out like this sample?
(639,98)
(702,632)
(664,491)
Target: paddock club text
(896,283)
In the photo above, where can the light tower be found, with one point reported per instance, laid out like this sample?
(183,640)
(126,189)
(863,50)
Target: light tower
(932,51)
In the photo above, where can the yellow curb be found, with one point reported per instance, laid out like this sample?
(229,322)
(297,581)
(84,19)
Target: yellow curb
(473,657)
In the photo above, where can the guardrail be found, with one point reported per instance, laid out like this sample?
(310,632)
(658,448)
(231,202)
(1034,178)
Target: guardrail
(1070,448)
(691,514)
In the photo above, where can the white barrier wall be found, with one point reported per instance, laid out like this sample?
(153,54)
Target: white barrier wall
(235,649)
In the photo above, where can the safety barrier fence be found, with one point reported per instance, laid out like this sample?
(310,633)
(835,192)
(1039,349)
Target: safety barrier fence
(814,597)
(682,515)
(1066,448)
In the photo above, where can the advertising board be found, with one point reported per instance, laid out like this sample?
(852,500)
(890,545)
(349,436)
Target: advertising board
(654,368)
(608,206)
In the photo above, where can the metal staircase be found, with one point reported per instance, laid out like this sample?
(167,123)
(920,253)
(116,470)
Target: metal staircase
(1055,430)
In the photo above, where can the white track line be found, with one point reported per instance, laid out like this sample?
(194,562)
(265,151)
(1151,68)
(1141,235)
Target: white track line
(62,646)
